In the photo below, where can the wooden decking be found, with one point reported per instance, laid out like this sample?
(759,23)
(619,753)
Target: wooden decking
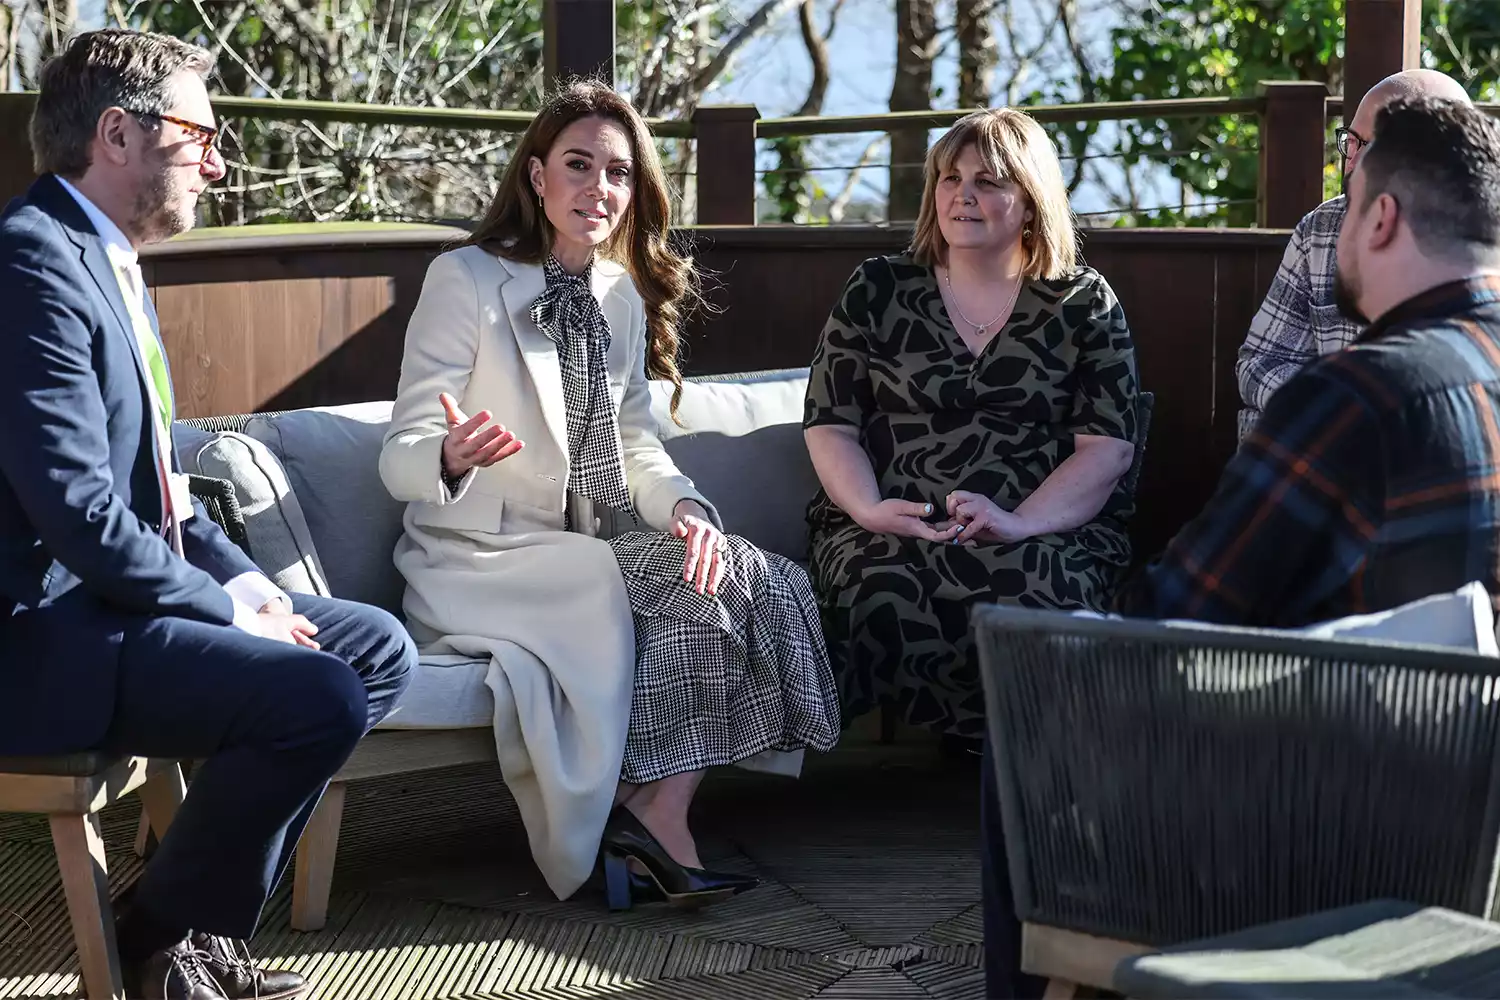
(870,863)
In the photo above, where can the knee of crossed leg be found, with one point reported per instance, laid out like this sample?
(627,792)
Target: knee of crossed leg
(396,658)
(333,701)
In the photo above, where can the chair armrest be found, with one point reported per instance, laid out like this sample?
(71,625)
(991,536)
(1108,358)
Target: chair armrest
(218,498)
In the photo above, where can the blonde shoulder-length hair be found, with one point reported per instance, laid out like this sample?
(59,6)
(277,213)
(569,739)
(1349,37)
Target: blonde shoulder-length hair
(1012,146)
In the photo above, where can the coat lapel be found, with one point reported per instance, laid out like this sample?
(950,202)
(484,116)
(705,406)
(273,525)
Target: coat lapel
(66,210)
(95,260)
(518,293)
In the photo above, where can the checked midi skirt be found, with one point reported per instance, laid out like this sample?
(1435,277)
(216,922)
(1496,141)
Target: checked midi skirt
(721,678)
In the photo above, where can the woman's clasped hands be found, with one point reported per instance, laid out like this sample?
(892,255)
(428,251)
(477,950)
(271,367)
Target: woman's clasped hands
(473,442)
(972,518)
(980,519)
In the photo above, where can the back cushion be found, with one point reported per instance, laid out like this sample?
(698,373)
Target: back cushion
(275,526)
(741,444)
(332,459)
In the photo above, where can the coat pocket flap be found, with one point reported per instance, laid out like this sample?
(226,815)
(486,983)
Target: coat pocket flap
(475,512)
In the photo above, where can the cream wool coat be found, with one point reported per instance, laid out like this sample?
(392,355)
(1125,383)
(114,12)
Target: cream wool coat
(489,570)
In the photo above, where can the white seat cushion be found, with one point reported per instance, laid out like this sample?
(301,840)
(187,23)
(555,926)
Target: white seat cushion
(1464,619)
(446,692)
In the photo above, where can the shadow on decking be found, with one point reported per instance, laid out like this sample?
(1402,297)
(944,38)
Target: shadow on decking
(871,889)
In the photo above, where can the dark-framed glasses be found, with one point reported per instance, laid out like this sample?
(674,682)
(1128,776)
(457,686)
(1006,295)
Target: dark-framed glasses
(206,136)
(1348,141)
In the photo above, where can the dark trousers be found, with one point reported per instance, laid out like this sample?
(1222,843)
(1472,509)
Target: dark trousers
(271,722)
(1003,977)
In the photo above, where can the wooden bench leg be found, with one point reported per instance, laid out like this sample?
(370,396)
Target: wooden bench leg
(317,851)
(1070,960)
(161,796)
(85,877)
(143,833)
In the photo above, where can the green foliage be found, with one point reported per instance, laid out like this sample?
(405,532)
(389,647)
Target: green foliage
(1217,48)
(1226,48)
(789,187)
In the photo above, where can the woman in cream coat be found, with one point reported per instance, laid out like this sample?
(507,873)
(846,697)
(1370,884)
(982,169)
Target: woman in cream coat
(620,668)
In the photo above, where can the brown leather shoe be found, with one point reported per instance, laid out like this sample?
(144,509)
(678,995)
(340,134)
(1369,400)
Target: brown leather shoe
(228,962)
(175,973)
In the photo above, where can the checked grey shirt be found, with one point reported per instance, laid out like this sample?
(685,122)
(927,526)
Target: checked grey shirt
(1298,321)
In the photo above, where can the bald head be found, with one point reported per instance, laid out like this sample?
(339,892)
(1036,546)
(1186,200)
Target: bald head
(1410,83)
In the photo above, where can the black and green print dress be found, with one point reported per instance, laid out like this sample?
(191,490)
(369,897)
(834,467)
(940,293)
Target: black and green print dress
(934,419)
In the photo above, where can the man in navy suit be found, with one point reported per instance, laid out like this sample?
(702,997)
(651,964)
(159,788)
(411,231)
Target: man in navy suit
(132,624)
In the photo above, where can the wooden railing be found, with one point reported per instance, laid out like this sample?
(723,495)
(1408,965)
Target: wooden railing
(1292,146)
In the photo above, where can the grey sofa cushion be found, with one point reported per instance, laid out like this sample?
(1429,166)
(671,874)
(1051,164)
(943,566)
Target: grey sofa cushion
(331,455)
(741,444)
(275,526)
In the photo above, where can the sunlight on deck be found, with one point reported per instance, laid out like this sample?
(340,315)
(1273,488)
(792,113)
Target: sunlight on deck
(871,890)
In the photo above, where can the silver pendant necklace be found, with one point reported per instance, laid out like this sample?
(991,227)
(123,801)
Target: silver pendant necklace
(979,329)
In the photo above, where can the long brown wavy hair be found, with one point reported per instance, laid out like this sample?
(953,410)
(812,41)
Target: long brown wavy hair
(516,228)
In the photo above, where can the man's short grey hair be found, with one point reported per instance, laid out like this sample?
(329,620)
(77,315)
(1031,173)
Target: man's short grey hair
(97,71)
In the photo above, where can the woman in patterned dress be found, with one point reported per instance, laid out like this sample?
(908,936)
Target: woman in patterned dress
(970,413)
(621,668)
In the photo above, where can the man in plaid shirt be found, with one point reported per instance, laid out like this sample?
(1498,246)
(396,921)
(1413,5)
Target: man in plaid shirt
(1299,322)
(1373,477)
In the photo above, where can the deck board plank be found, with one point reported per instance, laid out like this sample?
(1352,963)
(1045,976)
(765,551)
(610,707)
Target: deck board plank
(870,887)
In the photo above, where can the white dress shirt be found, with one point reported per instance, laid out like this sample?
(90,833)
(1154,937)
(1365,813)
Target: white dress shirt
(249,591)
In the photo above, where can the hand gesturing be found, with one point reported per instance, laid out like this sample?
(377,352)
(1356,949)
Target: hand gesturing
(473,442)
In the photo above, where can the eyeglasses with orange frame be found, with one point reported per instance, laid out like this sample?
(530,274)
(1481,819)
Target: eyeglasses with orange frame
(206,136)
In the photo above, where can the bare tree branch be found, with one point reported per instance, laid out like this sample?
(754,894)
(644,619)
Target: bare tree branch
(976,52)
(911,90)
(224,46)
(840,203)
(1088,82)
(833,19)
(754,25)
(1025,60)
(817,52)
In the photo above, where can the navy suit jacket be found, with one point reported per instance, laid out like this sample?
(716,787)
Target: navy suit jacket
(82,558)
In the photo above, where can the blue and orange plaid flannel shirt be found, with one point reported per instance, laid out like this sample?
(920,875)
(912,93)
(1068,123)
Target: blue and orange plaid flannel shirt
(1371,479)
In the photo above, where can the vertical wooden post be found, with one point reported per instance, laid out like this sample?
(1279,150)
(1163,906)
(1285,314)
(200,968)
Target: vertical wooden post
(16,172)
(578,39)
(1381,37)
(725,138)
(1292,154)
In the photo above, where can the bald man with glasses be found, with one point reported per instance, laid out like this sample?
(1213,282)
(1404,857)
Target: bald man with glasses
(1299,322)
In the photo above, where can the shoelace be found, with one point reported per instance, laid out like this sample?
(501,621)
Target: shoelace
(237,956)
(189,965)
